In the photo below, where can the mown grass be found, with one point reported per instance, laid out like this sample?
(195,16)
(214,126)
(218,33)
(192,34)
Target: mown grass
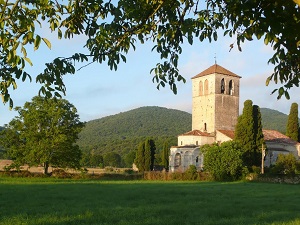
(61,202)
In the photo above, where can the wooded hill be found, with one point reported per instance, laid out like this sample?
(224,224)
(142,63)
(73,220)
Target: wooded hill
(122,132)
(274,120)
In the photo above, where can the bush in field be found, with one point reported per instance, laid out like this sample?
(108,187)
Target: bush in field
(223,162)
(286,164)
(191,173)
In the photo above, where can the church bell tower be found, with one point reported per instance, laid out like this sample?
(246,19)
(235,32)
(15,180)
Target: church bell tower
(215,95)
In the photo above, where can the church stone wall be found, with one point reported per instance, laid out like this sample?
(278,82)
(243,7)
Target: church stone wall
(227,102)
(182,157)
(220,138)
(203,104)
(227,109)
(184,140)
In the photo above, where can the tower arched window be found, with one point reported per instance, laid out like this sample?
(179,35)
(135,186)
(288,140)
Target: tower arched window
(206,87)
(205,127)
(200,88)
(222,86)
(231,87)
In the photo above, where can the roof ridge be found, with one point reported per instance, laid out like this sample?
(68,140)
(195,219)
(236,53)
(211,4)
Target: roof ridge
(216,68)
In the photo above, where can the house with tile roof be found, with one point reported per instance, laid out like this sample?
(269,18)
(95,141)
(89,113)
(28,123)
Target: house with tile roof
(215,109)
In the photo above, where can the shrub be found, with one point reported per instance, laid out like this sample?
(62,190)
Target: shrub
(191,173)
(60,173)
(223,162)
(286,164)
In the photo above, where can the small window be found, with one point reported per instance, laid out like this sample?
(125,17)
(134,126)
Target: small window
(205,127)
(181,143)
(222,86)
(231,86)
(206,87)
(200,88)
(196,142)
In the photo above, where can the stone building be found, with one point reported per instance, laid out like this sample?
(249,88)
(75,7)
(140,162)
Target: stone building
(215,109)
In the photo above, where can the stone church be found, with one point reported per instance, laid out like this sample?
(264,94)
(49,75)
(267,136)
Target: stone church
(215,109)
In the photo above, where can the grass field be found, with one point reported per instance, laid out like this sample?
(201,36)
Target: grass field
(60,202)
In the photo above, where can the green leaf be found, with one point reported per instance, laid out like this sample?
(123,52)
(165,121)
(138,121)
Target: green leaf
(268,81)
(11,104)
(47,42)
(287,95)
(59,33)
(37,42)
(29,61)
(23,50)
(190,39)
(215,35)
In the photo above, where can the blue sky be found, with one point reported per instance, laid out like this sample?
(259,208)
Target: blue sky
(97,91)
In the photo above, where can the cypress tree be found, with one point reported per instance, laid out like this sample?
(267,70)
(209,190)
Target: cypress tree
(292,128)
(165,155)
(244,133)
(149,154)
(258,133)
(152,148)
(140,157)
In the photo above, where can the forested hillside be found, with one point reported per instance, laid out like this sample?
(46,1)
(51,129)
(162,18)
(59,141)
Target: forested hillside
(274,120)
(122,132)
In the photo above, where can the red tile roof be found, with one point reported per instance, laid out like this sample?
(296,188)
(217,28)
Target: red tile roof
(195,133)
(276,136)
(216,69)
(228,133)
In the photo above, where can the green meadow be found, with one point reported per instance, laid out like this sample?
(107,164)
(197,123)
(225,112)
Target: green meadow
(39,201)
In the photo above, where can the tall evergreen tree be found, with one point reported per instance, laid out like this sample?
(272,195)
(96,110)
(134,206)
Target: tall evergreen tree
(140,157)
(292,128)
(149,154)
(165,155)
(244,133)
(258,134)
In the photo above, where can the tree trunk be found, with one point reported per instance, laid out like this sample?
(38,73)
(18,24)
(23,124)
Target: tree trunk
(46,166)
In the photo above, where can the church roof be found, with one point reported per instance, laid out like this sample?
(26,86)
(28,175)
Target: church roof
(195,133)
(277,137)
(216,69)
(269,135)
(228,133)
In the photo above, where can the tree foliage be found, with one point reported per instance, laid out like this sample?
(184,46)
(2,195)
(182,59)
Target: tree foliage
(258,134)
(140,157)
(112,159)
(149,154)
(286,164)
(245,133)
(248,132)
(165,155)
(144,159)
(44,133)
(225,161)
(129,158)
(292,127)
(112,28)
